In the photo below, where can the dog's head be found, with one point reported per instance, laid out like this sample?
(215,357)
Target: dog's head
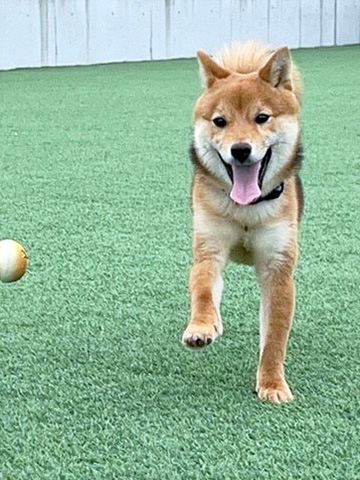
(247,124)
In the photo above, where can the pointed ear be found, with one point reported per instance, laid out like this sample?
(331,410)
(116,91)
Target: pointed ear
(277,70)
(210,69)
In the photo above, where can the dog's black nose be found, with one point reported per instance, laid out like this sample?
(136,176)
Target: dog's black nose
(241,151)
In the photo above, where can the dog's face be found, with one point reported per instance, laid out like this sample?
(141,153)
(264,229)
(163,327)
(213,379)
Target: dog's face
(247,125)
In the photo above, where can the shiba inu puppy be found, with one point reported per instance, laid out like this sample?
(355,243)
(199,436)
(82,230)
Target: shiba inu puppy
(247,196)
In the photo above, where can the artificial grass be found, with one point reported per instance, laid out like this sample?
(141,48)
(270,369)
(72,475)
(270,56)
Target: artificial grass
(95,182)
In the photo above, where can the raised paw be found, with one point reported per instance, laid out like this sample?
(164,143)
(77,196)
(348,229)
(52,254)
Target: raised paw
(274,390)
(200,335)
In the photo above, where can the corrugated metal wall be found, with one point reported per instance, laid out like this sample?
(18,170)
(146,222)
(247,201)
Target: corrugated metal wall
(37,33)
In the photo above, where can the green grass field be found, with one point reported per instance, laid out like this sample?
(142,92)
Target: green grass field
(95,383)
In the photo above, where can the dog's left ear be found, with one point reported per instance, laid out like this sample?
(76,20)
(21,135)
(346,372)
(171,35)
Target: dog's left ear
(277,70)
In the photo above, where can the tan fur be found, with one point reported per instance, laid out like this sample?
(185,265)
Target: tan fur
(250,57)
(244,57)
(241,82)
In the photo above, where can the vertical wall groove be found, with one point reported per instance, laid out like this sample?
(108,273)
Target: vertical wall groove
(300,22)
(151,34)
(167,27)
(321,23)
(44,32)
(87,16)
(335,22)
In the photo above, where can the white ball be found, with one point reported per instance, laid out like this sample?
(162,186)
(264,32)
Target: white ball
(13,261)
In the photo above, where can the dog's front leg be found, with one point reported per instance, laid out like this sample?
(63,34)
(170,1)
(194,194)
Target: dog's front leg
(276,314)
(206,286)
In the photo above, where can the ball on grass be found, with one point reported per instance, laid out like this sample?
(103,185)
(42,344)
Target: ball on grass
(13,261)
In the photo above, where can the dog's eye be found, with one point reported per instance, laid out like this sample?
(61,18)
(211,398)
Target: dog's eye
(262,118)
(219,122)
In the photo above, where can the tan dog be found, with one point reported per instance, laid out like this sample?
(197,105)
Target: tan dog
(247,196)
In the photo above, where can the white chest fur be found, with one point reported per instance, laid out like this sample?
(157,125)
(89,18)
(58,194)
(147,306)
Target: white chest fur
(249,235)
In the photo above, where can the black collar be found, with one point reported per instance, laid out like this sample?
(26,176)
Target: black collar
(272,195)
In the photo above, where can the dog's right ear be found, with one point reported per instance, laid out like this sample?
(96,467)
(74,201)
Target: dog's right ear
(210,70)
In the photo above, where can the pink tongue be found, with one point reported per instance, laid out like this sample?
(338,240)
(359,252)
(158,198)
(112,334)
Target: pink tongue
(245,189)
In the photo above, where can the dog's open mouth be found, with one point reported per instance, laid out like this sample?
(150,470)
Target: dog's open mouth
(247,180)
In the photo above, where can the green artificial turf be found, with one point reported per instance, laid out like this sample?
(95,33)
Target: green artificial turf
(95,383)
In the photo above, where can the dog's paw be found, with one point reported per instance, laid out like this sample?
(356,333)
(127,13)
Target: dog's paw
(200,335)
(274,390)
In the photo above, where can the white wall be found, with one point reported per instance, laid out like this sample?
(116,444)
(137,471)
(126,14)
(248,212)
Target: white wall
(36,33)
